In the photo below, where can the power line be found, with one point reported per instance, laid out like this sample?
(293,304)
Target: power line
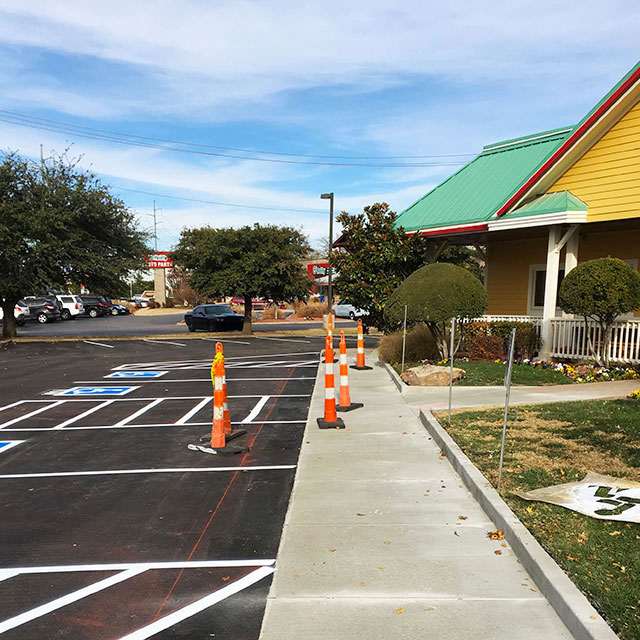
(28,117)
(224,204)
(124,139)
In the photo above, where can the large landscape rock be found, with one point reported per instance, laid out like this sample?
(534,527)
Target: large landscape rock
(429,375)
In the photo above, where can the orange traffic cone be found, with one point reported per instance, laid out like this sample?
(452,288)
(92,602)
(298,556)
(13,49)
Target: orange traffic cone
(330,419)
(217,430)
(330,330)
(345,398)
(360,365)
(229,433)
(221,421)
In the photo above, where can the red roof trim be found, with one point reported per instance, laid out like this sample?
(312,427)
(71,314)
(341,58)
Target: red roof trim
(571,141)
(446,230)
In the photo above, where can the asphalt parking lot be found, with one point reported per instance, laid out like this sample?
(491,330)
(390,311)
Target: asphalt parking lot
(140,325)
(112,527)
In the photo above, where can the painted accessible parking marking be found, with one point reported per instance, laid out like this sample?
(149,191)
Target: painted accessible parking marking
(92,391)
(5,445)
(136,374)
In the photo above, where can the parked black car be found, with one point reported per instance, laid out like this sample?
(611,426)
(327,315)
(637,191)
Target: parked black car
(42,309)
(213,317)
(94,306)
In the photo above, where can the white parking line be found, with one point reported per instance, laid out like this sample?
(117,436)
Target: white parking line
(14,404)
(193,411)
(223,340)
(29,415)
(99,344)
(146,566)
(164,381)
(139,412)
(119,472)
(256,410)
(177,344)
(155,424)
(58,603)
(280,339)
(62,425)
(199,605)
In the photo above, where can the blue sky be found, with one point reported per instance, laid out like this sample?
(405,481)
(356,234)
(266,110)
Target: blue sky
(373,78)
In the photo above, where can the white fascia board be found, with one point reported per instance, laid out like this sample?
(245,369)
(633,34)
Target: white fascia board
(540,220)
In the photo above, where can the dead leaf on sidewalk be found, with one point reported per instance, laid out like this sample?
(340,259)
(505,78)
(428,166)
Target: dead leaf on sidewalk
(495,535)
(498,552)
(359,514)
(399,611)
(331,550)
(463,517)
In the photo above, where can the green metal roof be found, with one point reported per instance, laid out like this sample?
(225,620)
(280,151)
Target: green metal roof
(476,191)
(555,202)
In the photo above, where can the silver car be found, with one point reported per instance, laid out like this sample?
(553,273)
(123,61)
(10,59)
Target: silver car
(344,309)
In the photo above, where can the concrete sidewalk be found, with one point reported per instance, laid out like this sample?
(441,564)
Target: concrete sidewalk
(437,398)
(383,541)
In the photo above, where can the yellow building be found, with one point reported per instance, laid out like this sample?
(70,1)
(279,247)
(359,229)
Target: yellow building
(542,203)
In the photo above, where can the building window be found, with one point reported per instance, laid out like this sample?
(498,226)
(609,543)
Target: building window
(540,279)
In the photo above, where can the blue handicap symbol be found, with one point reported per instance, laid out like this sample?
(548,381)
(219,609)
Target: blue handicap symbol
(7,444)
(136,374)
(96,391)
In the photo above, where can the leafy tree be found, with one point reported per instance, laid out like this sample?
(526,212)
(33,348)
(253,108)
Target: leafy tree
(600,290)
(379,256)
(434,295)
(259,261)
(60,225)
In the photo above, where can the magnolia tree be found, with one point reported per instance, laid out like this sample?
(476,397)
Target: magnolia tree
(435,294)
(600,290)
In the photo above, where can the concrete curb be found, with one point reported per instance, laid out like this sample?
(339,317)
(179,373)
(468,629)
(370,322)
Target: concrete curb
(582,620)
(394,376)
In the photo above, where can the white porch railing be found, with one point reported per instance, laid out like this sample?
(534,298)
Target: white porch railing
(570,340)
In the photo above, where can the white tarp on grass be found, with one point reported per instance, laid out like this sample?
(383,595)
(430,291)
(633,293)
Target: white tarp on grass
(595,495)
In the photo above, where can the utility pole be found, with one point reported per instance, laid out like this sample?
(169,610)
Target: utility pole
(155,228)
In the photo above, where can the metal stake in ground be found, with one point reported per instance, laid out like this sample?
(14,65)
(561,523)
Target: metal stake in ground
(404,336)
(218,439)
(330,419)
(507,384)
(453,332)
(360,365)
(345,398)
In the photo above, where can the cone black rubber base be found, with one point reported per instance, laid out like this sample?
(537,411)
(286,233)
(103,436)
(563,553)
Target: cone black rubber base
(365,368)
(221,451)
(236,433)
(323,424)
(351,407)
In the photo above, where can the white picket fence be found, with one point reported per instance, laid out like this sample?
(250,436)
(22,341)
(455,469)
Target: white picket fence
(570,340)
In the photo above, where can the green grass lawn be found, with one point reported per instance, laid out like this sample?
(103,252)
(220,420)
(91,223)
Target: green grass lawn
(556,443)
(483,374)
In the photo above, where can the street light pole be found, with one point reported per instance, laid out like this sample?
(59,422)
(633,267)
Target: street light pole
(329,196)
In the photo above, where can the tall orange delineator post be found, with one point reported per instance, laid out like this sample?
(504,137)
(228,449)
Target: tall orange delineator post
(221,427)
(330,419)
(345,397)
(360,365)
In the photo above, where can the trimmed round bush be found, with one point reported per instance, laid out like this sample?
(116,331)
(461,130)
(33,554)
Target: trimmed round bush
(434,294)
(600,288)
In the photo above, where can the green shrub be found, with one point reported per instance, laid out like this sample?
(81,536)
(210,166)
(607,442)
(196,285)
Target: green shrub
(435,294)
(420,345)
(600,290)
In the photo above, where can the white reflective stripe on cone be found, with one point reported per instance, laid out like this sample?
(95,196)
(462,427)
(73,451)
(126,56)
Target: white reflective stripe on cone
(360,349)
(343,358)
(344,381)
(218,413)
(329,369)
(330,393)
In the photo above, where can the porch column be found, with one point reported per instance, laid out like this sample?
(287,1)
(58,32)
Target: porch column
(571,257)
(550,290)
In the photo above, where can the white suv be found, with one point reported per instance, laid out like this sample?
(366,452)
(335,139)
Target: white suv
(70,306)
(20,312)
(345,309)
